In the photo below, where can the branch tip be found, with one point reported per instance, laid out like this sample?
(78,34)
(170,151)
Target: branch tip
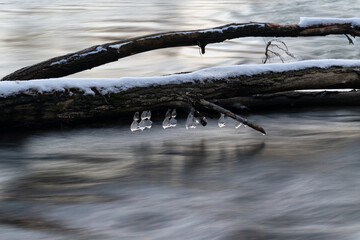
(349,39)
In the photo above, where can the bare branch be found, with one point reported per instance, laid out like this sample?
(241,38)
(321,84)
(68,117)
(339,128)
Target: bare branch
(228,113)
(271,44)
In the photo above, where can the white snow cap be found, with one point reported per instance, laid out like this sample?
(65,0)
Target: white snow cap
(309,21)
(115,85)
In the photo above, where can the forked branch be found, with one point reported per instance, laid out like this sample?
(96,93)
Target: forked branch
(280,45)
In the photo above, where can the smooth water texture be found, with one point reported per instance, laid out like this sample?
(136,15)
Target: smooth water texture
(301,181)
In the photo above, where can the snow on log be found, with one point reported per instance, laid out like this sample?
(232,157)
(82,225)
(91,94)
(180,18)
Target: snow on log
(313,21)
(214,74)
(110,52)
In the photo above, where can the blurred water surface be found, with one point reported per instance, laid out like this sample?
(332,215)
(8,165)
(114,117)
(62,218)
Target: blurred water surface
(300,181)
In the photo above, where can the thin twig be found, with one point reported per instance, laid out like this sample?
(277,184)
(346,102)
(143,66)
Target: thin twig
(228,113)
(271,44)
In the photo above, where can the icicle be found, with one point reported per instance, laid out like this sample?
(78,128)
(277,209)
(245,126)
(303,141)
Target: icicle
(148,122)
(135,124)
(166,122)
(173,113)
(222,121)
(173,121)
(136,116)
(168,113)
(190,121)
(238,124)
(142,124)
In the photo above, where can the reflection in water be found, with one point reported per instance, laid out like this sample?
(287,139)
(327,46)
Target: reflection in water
(299,182)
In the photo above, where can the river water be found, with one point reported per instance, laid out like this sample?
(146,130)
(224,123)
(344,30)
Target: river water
(301,181)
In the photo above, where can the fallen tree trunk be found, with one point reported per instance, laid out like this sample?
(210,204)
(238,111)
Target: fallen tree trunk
(110,52)
(34,105)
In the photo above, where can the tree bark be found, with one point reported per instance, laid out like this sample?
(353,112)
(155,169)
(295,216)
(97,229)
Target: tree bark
(267,90)
(292,100)
(110,52)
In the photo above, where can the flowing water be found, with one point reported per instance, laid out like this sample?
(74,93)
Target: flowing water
(301,181)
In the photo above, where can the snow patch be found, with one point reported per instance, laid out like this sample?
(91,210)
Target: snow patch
(235,26)
(118,46)
(309,21)
(115,85)
(327,90)
(59,62)
(97,50)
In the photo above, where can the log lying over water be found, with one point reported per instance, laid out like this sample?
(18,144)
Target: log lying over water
(39,102)
(101,54)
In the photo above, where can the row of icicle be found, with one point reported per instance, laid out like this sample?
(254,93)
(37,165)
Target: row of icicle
(170,121)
